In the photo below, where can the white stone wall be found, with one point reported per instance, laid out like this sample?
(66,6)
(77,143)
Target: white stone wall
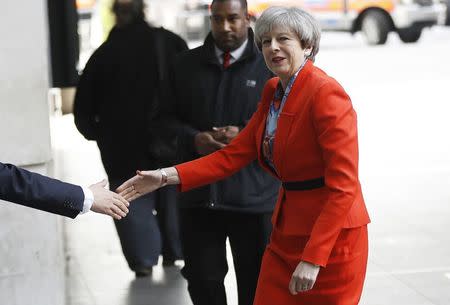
(31,250)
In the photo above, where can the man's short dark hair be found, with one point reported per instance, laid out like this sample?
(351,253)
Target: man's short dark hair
(243,3)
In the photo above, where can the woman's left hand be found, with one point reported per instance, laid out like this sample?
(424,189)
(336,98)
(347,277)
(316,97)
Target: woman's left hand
(303,278)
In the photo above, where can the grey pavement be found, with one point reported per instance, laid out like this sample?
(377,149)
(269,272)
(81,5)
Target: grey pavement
(401,94)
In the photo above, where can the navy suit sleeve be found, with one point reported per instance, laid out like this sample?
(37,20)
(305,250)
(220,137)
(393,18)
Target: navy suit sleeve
(40,192)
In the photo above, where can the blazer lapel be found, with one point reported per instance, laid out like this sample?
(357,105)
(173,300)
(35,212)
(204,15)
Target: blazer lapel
(292,105)
(291,108)
(280,143)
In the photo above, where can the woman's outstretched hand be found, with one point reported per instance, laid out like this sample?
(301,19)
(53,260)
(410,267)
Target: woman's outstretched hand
(144,182)
(303,278)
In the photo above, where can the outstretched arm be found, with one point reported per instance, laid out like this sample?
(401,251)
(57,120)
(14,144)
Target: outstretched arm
(148,181)
(36,191)
(208,169)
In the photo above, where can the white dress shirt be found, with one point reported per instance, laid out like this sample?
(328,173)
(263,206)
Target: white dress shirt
(235,55)
(88,200)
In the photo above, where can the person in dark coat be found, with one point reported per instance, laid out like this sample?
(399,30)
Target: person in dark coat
(212,99)
(116,100)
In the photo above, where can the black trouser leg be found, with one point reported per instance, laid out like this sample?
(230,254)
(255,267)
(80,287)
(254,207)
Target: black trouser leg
(203,239)
(167,208)
(139,233)
(248,235)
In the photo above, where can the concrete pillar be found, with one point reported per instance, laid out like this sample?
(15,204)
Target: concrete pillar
(31,244)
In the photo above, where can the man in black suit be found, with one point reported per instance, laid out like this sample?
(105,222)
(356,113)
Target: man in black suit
(43,193)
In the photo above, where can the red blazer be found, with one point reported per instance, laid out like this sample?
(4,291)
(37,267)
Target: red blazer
(316,137)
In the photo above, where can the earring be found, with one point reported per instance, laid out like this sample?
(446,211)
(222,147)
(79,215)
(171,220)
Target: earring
(308,53)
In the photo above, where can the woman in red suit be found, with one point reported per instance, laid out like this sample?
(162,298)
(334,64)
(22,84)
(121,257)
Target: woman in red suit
(305,134)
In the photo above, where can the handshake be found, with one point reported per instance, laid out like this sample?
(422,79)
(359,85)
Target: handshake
(115,204)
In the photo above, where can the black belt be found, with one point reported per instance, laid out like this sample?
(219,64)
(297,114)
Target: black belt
(304,185)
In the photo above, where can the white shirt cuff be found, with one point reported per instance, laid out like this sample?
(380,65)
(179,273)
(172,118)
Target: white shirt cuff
(88,200)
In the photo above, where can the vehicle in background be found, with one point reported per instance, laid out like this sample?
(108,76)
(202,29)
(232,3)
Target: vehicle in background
(85,8)
(374,18)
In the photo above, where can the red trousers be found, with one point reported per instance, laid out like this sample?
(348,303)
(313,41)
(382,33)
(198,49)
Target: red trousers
(339,283)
